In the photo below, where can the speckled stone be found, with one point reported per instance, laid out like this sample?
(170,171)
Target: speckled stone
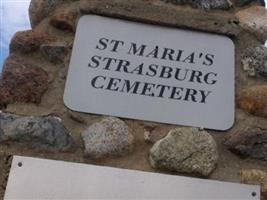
(254,60)
(213,4)
(185,150)
(109,137)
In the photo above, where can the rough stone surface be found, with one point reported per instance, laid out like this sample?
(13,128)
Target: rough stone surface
(253,19)
(41,133)
(213,4)
(255,177)
(27,41)
(253,100)
(254,61)
(175,16)
(248,142)
(185,150)
(109,137)
(39,9)
(22,82)
(204,4)
(55,52)
(65,19)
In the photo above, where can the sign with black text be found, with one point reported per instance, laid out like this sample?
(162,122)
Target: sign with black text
(147,72)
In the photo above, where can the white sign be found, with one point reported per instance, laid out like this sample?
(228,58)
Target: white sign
(32,178)
(153,73)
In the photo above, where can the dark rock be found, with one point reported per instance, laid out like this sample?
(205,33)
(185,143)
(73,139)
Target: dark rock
(39,9)
(109,137)
(22,82)
(253,100)
(242,2)
(41,133)
(185,150)
(254,60)
(248,142)
(55,52)
(28,41)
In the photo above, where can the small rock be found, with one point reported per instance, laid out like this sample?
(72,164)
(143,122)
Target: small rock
(39,9)
(41,133)
(27,41)
(255,177)
(253,20)
(65,19)
(77,117)
(109,137)
(248,142)
(185,150)
(22,82)
(254,61)
(253,100)
(54,52)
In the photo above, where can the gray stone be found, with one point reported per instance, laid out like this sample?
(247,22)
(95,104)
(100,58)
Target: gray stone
(55,52)
(109,137)
(213,4)
(254,60)
(185,150)
(41,133)
(248,142)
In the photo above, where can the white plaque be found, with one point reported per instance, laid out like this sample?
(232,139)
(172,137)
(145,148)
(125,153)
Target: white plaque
(153,73)
(32,178)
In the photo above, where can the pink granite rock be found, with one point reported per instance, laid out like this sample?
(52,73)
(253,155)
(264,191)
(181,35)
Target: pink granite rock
(28,41)
(22,82)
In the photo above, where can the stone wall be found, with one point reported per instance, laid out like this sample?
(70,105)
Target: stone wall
(35,122)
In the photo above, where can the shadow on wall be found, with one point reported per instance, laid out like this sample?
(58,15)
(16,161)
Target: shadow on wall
(13,17)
